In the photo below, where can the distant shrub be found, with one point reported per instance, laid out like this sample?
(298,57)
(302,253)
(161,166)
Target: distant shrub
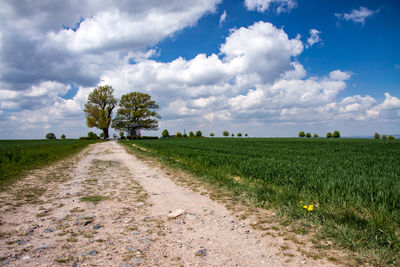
(308,135)
(246,135)
(212,134)
(302,134)
(377,136)
(315,136)
(191,134)
(51,136)
(63,136)
(184,135)
(384,136)
(391,137)
(336,134)
(165,133)
(178,134)
(199,134)
(92,136)
(328,135)
(233,135)
(121,136)
(102,135)
(239,134)
(225,133)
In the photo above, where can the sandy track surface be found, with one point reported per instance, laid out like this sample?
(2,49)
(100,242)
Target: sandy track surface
(105,207)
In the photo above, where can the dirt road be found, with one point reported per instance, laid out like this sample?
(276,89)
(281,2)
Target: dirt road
(105,207)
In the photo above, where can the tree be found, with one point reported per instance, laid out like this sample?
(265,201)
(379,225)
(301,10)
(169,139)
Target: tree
(198,134)
(302,134)
(51,136)
(328,135)
(239,134)
(212,134)
(63,136)
(99,107)
(315,135)
(184,135)
(384,136)
(233,135)
(191,134)
(377,136)
(136,111)
(336,134)
(225,133)
(165,133)
(178,134)
(308,135)
(390,137)
(246,135)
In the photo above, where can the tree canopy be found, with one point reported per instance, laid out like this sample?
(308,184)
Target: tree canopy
(136,111)
(99,107)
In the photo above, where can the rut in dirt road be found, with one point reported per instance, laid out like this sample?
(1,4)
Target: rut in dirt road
(105,207)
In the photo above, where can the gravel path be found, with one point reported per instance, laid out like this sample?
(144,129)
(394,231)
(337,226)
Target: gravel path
(105,207)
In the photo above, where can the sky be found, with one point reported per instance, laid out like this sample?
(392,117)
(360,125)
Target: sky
(269,68)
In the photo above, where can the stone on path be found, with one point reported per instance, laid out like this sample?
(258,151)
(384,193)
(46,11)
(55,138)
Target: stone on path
(176,213)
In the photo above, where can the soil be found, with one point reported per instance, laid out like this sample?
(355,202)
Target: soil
(106,207)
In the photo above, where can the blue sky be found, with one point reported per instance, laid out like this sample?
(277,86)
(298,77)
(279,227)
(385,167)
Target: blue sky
(266,67)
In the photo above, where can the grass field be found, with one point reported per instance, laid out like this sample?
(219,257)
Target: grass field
(353,185)
(18,156)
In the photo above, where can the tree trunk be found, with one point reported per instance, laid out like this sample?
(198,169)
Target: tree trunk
(105,131)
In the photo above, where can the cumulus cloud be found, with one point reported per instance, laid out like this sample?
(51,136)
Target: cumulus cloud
(357,15)
(279,6)
(314,38)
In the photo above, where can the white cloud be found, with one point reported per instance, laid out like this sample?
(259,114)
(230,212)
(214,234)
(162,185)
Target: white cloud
(263,5)
(223,17)
(357,16)
(314,37)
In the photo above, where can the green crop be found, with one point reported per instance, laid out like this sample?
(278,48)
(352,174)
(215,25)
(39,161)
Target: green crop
(352,185)
(17,156)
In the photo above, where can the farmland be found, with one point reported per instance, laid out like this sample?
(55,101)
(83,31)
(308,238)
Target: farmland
(353,185)
(17,156)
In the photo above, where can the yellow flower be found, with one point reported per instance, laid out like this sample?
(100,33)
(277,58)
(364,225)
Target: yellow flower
(310,208)
(305,207)
(301,202)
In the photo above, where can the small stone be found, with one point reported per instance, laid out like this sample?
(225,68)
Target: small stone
(26,257)
(176,213)
(87,222)
(75,223)
(96,226)
(82,228)
(124,264)
(89,253)
(138,261)
(21,242)
(68,194)
(48,230)
(43,247)
(247,232)
(131,249)
(201,252)
(191,216)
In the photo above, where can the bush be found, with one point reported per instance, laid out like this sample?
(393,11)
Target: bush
(391,137)
(384,136)
(315,136)
(212,134)
(63,136)
(246,135)
(239,134)
(308,135)
(328,135)
(191,134)
(336,134)
(377,136)
(233,135)
(225,133)
(92,136)
(178,134)
(302,134)
(198,134)
(165,133)
(184,135)
(51,136)
(102,135)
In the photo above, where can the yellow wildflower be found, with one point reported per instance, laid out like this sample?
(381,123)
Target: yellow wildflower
(305,207)
(301,202)
(310,208)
